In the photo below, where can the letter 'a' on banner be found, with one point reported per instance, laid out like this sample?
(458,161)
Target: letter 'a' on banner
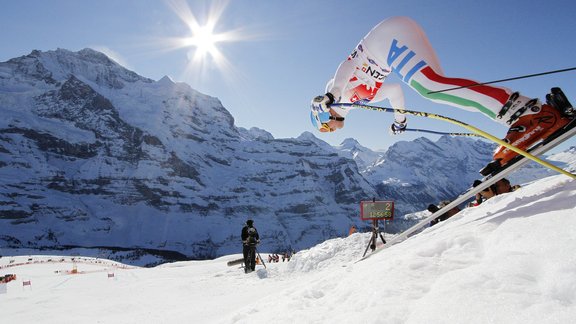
(376,210)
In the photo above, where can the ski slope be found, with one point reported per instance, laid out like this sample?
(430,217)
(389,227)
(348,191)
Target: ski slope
(509,260)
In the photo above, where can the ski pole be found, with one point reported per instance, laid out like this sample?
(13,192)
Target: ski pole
(440,133)
(464,125)
(261,260)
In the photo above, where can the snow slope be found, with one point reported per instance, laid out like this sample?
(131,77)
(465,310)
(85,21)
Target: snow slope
(510,260)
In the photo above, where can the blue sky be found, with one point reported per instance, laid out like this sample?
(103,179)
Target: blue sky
(289,49)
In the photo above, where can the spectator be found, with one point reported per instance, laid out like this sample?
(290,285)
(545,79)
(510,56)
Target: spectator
(500,187)
(352,230)
(250,239)
(433,208)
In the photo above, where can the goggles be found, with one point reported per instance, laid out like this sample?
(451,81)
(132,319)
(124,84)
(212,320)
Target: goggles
(320,120)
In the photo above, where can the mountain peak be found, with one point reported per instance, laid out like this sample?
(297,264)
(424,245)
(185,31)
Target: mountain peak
(88,65)
(166,80)
(94,56)
(87,54)
(350,143)
(255,133)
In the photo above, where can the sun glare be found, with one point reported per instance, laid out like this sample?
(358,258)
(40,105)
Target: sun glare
(204,39)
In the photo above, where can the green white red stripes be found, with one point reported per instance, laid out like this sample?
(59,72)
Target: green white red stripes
(488,100)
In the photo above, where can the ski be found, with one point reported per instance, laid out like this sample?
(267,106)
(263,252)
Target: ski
(261,260)
(554,140)
(235,262)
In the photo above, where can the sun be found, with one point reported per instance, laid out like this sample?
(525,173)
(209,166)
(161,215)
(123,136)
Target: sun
(204,41)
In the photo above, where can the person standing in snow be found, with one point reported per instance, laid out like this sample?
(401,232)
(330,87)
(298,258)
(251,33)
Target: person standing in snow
(399,45)
(352,230)
(250,239)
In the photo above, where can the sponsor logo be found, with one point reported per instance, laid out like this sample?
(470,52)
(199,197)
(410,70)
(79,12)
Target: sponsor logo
(549,119)
(354,54)
(525,138)
(373,72)
(404,61)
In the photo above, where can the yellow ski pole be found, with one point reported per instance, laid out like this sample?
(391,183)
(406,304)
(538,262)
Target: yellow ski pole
(464,125)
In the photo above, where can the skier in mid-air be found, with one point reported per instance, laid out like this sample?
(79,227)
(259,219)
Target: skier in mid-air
(399,45)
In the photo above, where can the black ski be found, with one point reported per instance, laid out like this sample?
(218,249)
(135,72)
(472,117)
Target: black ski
(235,262)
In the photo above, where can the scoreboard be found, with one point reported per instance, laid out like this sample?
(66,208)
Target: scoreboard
(376,210)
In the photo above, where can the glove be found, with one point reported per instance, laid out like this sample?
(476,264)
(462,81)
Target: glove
(398,127)
(322,103)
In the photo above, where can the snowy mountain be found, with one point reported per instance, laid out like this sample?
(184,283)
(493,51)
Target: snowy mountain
(423,170)
(566,159)
(508,260)
(363,156)
(93,155)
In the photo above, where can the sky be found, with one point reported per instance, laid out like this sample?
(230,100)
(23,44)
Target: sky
(505,261)
(276,55)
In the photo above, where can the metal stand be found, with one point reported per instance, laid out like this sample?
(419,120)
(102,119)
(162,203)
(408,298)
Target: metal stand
(261,260)
(374,238)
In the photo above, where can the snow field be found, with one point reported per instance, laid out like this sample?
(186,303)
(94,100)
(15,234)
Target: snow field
(509,260)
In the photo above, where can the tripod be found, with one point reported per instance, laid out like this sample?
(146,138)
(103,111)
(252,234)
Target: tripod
(374,238)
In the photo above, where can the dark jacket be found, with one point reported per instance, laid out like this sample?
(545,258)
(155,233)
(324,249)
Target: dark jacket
(250,235)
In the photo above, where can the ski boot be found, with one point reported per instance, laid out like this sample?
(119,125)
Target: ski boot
(558,100)
(527,129)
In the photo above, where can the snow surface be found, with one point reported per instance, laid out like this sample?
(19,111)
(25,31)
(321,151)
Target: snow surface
(509,260)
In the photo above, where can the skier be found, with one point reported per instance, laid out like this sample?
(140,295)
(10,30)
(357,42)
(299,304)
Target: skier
(250,239)
(399,45)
